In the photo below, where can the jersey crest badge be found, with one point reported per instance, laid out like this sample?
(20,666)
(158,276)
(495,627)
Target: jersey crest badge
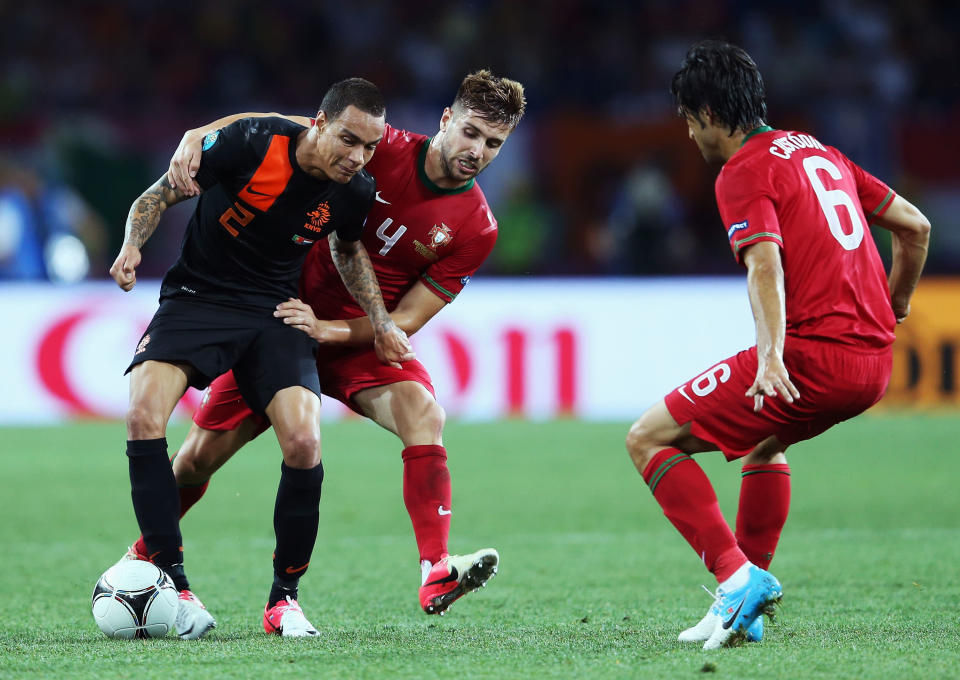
(735,227)
(210,139)
(318,217)
(440,235)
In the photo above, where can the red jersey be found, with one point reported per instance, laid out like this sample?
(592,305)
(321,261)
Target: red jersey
(414,231)
(808,198)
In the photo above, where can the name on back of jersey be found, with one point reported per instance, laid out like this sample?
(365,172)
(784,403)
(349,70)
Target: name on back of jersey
(783,147)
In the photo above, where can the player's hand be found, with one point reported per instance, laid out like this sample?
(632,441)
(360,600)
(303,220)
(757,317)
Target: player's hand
(392,345)
(124,268)
(186,162)
(300,315)
(772,380)
(901,311)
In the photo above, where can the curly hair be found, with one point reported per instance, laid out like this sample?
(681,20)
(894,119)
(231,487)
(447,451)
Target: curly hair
(496,100)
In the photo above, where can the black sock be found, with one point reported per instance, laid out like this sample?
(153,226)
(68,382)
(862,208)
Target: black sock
(282,588)
(179,578)
(296,516)
(156,504)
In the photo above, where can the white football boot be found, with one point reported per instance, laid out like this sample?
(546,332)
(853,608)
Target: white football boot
(193,620)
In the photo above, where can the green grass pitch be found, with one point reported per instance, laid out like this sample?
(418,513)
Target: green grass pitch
(593,583)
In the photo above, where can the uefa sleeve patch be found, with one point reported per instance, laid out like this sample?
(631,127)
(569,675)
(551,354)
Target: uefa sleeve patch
(735,227)
(210,139)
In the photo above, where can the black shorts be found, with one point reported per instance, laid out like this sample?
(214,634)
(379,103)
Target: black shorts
(266,355)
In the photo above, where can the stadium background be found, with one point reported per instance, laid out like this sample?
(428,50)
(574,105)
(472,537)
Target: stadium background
(599,182)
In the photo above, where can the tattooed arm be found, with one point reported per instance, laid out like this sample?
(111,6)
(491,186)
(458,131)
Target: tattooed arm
(141,222)
(353,263)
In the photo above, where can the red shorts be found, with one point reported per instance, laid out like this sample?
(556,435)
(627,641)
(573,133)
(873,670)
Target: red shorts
(343,373)
(835,383)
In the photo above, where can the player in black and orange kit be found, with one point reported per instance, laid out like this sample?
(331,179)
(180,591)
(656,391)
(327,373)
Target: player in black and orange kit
(270,189)
(428,231)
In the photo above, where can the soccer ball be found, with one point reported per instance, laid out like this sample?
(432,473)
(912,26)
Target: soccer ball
(134,599)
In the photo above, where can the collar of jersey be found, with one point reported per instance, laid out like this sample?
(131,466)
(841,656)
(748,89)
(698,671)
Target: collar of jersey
(422,172)
(756,131)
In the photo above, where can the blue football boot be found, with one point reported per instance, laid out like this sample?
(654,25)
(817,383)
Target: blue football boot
(704,629)
(740,609)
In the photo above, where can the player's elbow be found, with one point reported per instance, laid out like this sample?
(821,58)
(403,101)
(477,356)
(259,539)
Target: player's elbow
(764,272)
(922,227)
(914,232)
(407,318)
(407,324)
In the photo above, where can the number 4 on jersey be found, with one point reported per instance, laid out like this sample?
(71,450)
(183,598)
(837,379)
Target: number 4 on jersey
(389,240)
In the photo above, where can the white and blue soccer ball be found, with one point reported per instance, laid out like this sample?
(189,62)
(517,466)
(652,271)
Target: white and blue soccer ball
(134,599)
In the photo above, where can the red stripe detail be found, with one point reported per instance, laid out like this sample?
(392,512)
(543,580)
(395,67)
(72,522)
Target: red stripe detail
(50,363)
(566,343)
(270,179)
(516,343)
(460,361)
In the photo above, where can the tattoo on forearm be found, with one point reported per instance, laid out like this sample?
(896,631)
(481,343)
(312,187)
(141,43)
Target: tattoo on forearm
(144,215)
(357,273)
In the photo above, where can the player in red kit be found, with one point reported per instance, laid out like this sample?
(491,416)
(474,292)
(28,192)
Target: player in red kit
(428,231)
(796,213)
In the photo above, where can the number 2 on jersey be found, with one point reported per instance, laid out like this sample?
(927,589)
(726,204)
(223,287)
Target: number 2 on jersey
(235,219)
(832,199)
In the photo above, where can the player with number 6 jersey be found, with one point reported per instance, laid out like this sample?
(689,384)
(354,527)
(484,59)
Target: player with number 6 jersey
(427,232)
(781,187)
(796,214)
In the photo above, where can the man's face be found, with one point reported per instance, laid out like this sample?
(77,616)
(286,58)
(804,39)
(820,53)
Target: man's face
(706,136)
(468,143)
(347,142)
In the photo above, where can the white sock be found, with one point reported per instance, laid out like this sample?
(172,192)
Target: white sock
(739,578)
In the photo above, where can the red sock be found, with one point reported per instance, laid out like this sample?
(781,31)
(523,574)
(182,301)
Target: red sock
(189,495)
(689,502)
(764,504)
(426,493)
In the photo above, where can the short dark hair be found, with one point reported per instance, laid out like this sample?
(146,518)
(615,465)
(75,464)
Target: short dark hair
(356,92)
(721,77)
(496,100)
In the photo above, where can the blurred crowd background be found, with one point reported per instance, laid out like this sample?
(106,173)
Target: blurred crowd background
(599,179)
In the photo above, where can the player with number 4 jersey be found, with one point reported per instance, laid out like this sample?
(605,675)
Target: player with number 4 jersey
(427,232)
(796,213)
(415,231)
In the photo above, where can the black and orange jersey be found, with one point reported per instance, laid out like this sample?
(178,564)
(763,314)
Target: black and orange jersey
(258,216)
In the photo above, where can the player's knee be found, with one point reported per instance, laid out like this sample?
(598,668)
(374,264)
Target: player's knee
(433,417)
(190,468)
(639,444)
(301,449)
(421,418)
(144,423)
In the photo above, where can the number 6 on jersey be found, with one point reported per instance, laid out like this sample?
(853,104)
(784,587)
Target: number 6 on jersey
(831,200)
